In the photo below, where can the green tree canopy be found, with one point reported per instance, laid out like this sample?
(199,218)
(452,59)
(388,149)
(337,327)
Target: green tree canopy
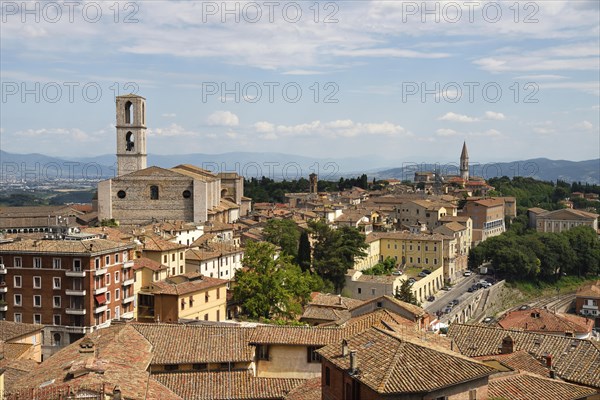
(272,286)
(283,233)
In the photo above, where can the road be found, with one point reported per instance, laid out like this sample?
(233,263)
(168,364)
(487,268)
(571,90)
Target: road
(442,298)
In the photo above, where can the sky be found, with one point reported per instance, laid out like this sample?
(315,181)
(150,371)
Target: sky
(391,81)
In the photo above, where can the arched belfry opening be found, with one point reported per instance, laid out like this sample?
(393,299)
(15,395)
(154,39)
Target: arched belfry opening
(153,192)
(130,144)
(129,112)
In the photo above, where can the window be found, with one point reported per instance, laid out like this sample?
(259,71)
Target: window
(117,312)
(327,376)
(17,281)
(37,300)
(218,293)
(37,262)
(56,339)
(218,315)
(191,299)
(37,319)
(18,262)
(117,258)
(121,194)
(311,355)
(125,256)
(262,352)
(107,279)
(108,297)
(359,290)
(373,292)
(77,264)
(107,260)
(18,300)
(183,304)
(107,314)
(97,263)
(18,317)
(153,192)
(55,283)
(56,263)
(117,276)
(117,294)
(173,257)
(206,317)
(56,301)
(37,282)
(181,256)
(206,297)
(165,259)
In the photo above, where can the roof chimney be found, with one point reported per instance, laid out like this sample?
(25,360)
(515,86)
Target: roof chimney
(507,345)
(344,348)
(549,361)
(353,362)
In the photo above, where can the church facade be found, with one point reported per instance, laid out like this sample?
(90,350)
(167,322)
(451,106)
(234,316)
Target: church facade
(139,194)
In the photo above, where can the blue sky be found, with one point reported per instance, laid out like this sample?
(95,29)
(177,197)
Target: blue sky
(390,80)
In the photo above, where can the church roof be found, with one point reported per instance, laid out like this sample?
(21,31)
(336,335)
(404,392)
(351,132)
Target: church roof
(195,172)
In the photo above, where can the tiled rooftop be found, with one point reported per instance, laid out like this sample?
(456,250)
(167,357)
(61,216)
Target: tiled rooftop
(12,330)
(525,386)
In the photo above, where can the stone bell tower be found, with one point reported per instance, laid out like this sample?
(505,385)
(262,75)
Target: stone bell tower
(131,134)
(464,163)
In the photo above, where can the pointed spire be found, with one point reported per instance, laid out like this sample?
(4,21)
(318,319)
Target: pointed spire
(464,155)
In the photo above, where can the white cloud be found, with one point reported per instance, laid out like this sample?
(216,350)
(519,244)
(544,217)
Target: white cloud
(264,127)
(494,116)
(337,128)
(223,118)
(169,115)
(584,126)
(446,132)
(450,116)
(171,130)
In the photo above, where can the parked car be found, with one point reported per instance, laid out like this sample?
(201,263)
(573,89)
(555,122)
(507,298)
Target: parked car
(446,288)
(411,280)
(451,304)
(467,273)
(470,290)
(524,307)
(427,271)
(455,302)
(422,274)
(397,273)
(474,287)
(447,310)
(431,298)
(490,280)
(487,319)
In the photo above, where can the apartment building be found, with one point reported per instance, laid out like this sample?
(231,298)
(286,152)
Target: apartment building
(488,218)
(73,285)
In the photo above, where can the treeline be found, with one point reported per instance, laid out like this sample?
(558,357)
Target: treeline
(46,198)
(537,256)
(267,190)
(530,192)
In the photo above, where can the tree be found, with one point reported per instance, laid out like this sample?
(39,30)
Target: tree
(304,252)
(283,233)
(272,286)
(404,293)
(335,251)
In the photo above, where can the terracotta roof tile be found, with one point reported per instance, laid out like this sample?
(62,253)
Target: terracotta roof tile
(236,385)
(309,390)
(545,321)
(13,330)
(526,387)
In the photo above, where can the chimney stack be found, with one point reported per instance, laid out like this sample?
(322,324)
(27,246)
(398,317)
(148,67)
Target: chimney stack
(353,362)
(507,345)
(549,361)
(344,348)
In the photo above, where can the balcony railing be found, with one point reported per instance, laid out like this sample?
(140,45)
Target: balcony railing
(75,274)
(128,264)
(76,311)
(2,269)
(75,292)
(4,307)
(128,282)
(101,271)
(100,290)
(100,309)
(128,299)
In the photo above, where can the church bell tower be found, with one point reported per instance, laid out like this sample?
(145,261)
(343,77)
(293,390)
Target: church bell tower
(464,163)
(131,134)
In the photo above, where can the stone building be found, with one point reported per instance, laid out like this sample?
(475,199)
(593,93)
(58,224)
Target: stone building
(139,195)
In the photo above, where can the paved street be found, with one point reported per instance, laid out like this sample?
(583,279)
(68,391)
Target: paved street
(442,298)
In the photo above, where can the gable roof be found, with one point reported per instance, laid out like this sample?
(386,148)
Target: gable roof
(575,360)
(542,320)
(524,386)
(13,330)
(569,214)
(389,364)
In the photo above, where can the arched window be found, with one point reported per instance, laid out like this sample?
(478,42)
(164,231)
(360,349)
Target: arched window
(56,339)
(129,141)
(153,192)
(128,112)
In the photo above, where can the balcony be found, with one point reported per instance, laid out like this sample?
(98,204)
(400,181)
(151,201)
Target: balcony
(3,288)
(2,269)
(128,264)
(128,299)
(3,307)
(100,290)
(75,292)
(101,271)
(76,311)
(128,282)
(77,329)
(75,274)
(100,309)
(589,307)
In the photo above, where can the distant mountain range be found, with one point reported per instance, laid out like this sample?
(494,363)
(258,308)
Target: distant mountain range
(280,166)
